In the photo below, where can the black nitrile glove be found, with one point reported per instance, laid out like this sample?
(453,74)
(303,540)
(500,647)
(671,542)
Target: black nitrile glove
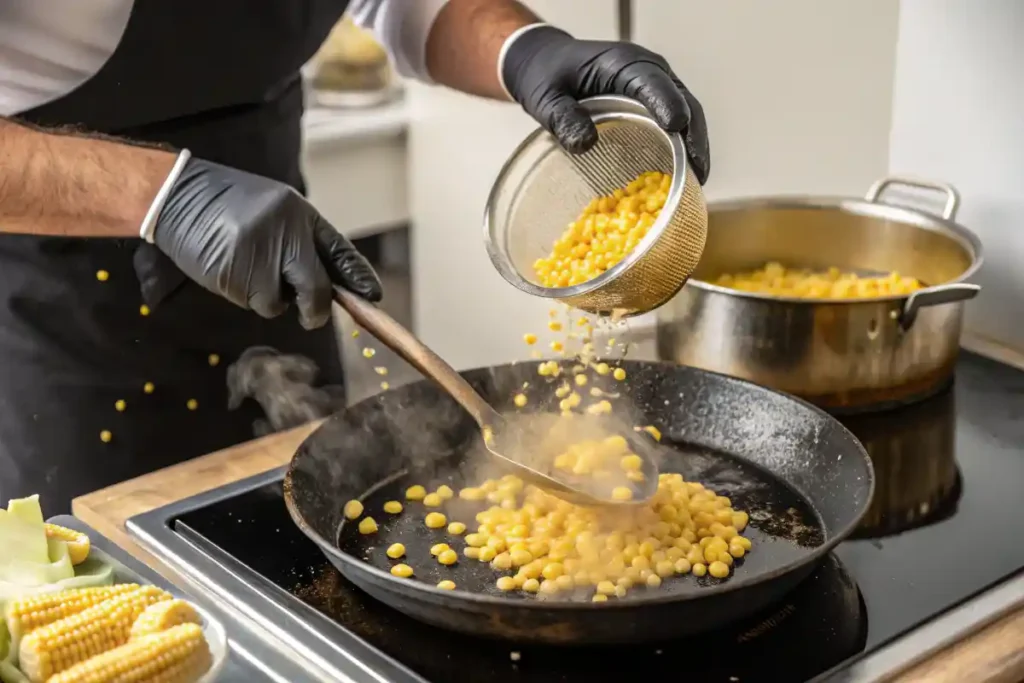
(257,243)
(547,71)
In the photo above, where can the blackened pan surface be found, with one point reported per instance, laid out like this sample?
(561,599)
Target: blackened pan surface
(805,480)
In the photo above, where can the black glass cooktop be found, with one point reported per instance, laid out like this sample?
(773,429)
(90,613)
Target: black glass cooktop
(944,525)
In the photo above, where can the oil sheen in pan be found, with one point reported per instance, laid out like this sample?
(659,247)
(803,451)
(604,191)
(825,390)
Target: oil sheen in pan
(783,526)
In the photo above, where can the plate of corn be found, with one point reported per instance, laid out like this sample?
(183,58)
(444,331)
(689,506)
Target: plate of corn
(66,618)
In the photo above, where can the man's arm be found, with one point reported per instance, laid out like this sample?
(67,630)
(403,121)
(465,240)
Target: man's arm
(465,42)
(52,183)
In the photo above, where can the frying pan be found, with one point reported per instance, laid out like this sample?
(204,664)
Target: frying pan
(805,480)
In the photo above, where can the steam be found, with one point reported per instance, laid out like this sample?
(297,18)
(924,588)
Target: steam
(284,386)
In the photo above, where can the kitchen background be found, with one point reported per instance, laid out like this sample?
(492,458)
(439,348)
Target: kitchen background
(802,97)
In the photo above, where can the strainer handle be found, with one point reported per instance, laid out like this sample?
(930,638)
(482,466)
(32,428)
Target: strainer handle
(405,344)
(874,194)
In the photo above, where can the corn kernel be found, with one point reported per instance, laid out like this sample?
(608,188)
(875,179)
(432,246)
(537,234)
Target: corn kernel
(416,492)
(102,275)
(619,374)
(144,310)
(531,585)
(369,352)
(120,405)
(392,507)
(432,500)
(446,585)
(213,359)
(448,557)
(506,583)
(699,569)
(353,509)
(622,493)
(530,339)
(148,387)
(192,404)
(456,528)
(367,525)
(719,570)
(435,520)
(600,597)
(395,551)
(106,436)
(519,400)
(402,571)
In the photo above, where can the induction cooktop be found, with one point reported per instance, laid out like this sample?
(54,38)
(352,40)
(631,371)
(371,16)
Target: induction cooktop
(943,527)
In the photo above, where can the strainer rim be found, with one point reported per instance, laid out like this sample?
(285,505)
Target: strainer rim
(602,108)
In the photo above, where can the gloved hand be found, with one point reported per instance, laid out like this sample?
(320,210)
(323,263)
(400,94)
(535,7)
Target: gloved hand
(257,243)
(547,71)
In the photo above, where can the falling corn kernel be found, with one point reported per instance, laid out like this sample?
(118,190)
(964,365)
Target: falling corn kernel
(392,507)
(519,400)
(143,309)
(355,333)
(191,404)
(530,339)
(213,359)
(555,326)
(102,275)
(581,380)
(600,408)
(381,370)
(557,346)
(581,322)
(650,429)
(384,386)
(395,551)
(149,387)
(368,352)
(120,405)
(602,368)
(619,374)
(106,436)
(367,526)
(563,391)
(611,342)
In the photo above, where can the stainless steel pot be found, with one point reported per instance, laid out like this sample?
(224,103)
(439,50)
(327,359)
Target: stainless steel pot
(844,355)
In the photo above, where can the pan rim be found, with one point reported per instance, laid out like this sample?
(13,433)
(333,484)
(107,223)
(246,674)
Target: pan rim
(481,599)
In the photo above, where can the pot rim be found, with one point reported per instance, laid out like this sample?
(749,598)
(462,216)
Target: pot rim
(922,220)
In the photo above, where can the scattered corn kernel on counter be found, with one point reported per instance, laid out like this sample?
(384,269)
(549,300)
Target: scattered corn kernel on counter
(66,621)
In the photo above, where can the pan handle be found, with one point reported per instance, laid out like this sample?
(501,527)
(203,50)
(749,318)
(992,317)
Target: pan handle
(874,194)
(405,344)
(933,296)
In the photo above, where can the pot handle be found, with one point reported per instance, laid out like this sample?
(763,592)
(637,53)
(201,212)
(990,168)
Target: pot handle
(933,296)
(874,194)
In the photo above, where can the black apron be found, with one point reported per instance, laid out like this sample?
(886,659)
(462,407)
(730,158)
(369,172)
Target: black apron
(220,77)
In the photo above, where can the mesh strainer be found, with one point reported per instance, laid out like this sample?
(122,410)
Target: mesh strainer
(542,188)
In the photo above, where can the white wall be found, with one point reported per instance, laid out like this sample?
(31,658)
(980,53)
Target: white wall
(797,93)
(798,96)
(959,117)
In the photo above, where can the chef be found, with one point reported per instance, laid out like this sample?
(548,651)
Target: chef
(152,225)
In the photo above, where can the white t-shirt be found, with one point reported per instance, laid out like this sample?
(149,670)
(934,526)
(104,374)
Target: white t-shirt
(50,47)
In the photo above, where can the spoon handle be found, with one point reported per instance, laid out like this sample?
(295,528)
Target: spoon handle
(405,344)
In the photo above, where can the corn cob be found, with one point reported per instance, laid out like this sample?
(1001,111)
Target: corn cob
(178,655)
(162,616)
(78,543)
(27,614)
(58,646)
